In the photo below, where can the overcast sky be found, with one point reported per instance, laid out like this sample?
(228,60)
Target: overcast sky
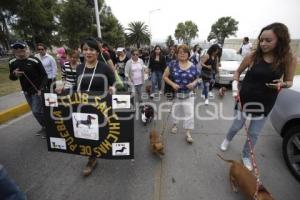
(252,15)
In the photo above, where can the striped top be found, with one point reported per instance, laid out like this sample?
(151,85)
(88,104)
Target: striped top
(69,75)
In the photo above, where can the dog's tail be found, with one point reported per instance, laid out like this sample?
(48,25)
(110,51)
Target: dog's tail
(229,161)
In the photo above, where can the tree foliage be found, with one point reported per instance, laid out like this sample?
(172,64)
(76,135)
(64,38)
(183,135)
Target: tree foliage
(56,22)
(35,21)
(186,31)
(138,33)
(223,28)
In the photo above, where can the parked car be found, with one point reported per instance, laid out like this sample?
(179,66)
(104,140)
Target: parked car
(285,118)
(230,61)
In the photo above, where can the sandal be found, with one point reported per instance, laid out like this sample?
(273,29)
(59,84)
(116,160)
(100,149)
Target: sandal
(189,139)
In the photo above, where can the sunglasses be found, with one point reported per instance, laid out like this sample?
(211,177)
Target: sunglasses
(18,47)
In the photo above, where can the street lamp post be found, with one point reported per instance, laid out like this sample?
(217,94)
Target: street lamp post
(150,12)
(97,13)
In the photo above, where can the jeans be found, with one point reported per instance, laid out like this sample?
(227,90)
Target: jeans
(254,129)
(138,92)
(156,77)
(206,85)
(36,105)
(212,81)
(8,188)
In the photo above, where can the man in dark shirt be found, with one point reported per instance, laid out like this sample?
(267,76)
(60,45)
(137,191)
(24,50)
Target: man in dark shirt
(32,75)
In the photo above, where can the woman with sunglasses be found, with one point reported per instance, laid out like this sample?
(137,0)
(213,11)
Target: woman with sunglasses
(134,72)
(49,64)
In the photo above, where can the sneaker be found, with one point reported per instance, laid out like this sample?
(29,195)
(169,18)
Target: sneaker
(152,95)
(90,166)
(174,129)
(202,96)
(247,163)
(160,92)
(224,145)
(210,94)
(189,138)
(206,102)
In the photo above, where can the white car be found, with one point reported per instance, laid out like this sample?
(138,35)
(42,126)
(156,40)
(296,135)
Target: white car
(230,61)
(285,118)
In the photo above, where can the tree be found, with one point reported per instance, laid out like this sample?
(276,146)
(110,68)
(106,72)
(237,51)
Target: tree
(75,26)
(111,29)
(186,32)
(35,21)
(8,10)
(223,28)
(82,23)
(138,33)
(170,42)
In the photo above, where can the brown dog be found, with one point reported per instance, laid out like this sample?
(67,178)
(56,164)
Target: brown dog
(240,177)
(155,144)
(148,89)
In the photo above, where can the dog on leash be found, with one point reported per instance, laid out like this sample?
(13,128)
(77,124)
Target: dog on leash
(240,177)
(156,144)
(222,91)
(147,114)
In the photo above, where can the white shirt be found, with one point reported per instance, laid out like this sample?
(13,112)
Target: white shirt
(49,65)
(246,48)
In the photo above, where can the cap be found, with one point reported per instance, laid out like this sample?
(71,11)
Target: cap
(18,44)
(119,49)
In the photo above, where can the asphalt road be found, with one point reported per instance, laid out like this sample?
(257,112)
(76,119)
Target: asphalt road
(189,172)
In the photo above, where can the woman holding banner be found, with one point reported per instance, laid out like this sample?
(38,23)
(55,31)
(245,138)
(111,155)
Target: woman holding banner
(93,76)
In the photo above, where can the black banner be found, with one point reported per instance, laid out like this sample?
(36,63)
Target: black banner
(90,124)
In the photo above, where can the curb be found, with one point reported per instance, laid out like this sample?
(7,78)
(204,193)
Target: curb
(14,112)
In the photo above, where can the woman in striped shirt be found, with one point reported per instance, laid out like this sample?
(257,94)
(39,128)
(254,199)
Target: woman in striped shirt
(68,71)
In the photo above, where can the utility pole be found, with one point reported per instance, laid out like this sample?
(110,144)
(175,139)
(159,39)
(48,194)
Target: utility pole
(97,19)
(150,12)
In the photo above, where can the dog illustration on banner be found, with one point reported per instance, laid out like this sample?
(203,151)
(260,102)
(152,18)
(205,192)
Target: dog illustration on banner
(121,101)
(51,100)
(120,149)
(87,122)
(85,126)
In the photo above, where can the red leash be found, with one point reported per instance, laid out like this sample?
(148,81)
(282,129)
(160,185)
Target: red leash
(253,159)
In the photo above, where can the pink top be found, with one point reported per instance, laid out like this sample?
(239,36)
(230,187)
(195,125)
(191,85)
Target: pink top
(137,70)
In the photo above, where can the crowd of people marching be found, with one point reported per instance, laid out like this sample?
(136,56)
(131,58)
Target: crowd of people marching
(180,68)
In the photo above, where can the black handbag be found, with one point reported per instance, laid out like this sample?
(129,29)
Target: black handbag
(206,73)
